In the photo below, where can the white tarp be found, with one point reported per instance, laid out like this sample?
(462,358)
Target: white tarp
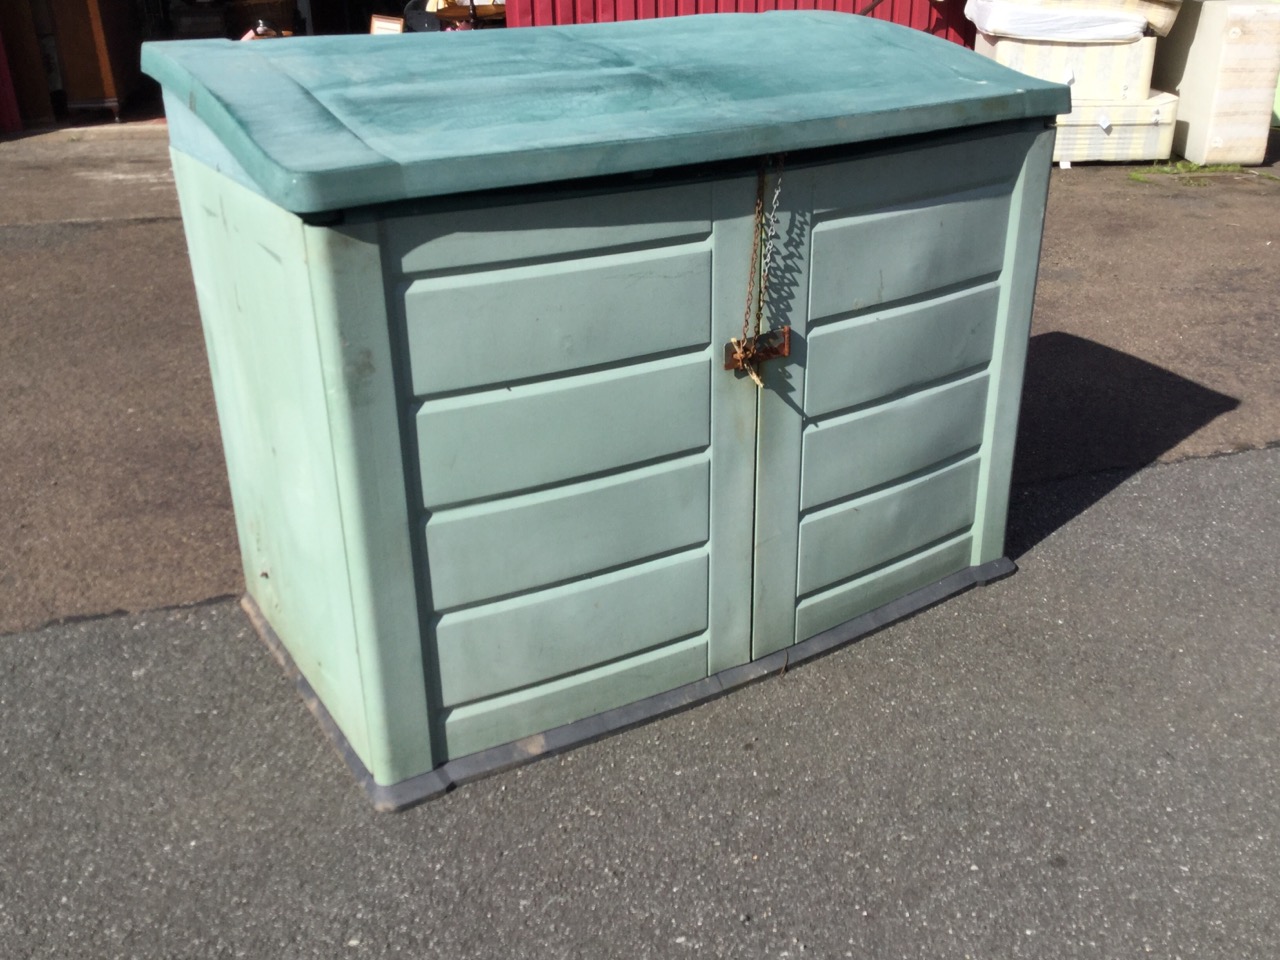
(1060,23)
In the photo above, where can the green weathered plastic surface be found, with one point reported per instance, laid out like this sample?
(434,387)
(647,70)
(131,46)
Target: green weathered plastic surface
(878,445)
(299,349)
(909,287)
(587,424)
(490,476)
(1009,357)
(473,646)
(578,528)
(320,123)
(661,296)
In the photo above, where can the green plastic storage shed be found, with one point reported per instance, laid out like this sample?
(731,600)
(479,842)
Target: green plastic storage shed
(467,298)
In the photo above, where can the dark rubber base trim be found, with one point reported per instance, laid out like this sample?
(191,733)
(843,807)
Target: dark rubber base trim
(444,778)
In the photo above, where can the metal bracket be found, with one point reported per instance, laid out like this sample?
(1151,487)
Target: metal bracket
(756,350)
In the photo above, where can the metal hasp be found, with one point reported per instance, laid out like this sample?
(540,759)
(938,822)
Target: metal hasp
(743,355)
(494,494)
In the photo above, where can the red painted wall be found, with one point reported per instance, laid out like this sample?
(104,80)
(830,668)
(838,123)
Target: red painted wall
(943,18)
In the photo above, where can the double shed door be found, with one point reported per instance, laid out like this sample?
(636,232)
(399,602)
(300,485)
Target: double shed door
(605,512)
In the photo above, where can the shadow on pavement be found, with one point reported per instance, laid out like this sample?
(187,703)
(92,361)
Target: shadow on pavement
(1097,414)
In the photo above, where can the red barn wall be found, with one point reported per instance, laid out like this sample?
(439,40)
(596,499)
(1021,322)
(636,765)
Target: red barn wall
(942,18)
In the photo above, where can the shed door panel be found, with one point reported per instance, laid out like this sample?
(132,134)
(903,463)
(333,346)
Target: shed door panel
(569,420)
(851,454)
(513,324)
(859,535)
(606,513)
(496,647)
(543,434)
(872,435)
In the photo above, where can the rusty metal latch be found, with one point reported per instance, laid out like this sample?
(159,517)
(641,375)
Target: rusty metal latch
(749,353)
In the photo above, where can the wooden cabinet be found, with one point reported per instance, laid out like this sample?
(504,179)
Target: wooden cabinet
(98,45)
(30,84)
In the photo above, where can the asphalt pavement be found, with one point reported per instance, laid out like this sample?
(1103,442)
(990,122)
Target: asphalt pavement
(1078,761)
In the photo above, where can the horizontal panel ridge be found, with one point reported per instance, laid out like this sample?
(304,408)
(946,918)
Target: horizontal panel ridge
(845,540)
(551,378)
(551,432)
(890,443)
(906,557)
(538,228)
(882,257)
(557,685)
(898,351)
(555,266)
(902,177)
(500,548)
(637,251)
(878,210)
(519,603)
(587,479)
(917,479)
(933,467)
(914,391)
(567,491)
(936,297)
(513,643)
(538,683)
(923,297)
(536,590)
(496,327)
(851,597)
(510,716)
(550,383)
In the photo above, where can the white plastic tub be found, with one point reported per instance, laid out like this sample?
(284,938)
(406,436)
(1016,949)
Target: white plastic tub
(1222,59)
(1093,20)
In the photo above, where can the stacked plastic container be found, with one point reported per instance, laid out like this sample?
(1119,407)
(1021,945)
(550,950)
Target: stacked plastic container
(1105,50)
(1223,60)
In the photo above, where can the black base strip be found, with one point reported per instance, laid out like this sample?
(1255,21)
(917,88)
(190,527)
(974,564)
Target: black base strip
(407,793)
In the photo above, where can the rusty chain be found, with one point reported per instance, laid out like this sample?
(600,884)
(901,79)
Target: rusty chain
(763,244)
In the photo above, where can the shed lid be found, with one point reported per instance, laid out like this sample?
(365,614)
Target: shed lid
(321,123)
